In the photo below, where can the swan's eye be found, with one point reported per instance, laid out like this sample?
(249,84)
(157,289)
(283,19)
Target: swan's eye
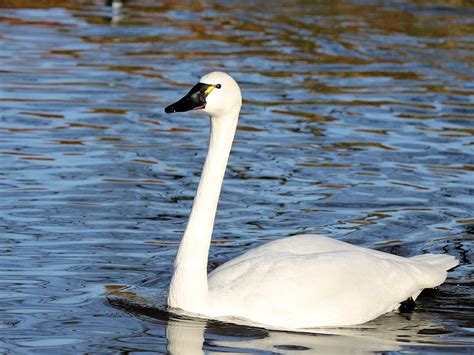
(218,86)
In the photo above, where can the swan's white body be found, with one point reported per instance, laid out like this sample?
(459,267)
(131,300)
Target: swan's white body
(296,282)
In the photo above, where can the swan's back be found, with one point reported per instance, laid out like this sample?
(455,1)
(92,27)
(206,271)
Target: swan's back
(311,280)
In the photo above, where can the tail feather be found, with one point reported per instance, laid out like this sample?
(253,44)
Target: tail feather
(443,261)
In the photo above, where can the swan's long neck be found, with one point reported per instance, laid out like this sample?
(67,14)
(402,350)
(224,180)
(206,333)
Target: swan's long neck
(188,289)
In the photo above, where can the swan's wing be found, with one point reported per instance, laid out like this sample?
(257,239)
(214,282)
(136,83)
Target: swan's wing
(309,244)
(341,287)
(302,244)
(296,245)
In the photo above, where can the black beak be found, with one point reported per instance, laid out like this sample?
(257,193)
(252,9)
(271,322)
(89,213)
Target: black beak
(195,99)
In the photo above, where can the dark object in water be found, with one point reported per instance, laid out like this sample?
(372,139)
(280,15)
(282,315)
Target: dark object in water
(407,306)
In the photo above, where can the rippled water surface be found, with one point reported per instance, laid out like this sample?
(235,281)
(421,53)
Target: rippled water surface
(358,122)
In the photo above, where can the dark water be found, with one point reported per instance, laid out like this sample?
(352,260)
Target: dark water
(358,122)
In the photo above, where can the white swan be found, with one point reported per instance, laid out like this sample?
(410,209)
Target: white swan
(303,281)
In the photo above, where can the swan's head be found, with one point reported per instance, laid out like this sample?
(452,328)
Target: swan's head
(216,93)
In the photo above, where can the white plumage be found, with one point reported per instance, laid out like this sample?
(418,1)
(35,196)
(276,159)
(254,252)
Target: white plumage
(302,281)
(313,281)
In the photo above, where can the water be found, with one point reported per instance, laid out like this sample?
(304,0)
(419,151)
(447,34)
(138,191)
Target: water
(358,122)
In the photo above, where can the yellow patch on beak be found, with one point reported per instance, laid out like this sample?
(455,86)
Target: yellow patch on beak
(209,89)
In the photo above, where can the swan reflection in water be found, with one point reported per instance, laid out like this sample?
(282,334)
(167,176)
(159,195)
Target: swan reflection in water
(187,335)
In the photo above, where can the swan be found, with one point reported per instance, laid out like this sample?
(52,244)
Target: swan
(301,281)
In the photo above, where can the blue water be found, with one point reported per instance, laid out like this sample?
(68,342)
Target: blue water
(358,123)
